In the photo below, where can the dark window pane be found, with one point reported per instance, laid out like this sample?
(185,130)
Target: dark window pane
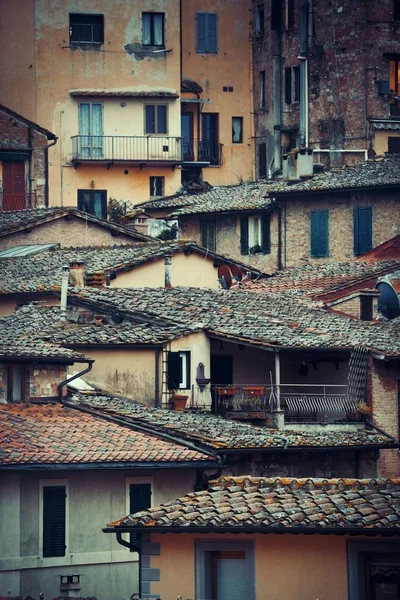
(86,29)
(54,521)
(262,160)
(139,499)
(161,119)
(150,119)
(146,29)
(276,14)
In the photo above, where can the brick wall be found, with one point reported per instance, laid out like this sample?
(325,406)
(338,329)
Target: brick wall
(349,306)
(383,391)
(67,232)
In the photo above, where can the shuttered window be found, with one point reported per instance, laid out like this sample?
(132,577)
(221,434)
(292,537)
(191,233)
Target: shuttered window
(262,159)
(255,235)
(208,234)
(206,33)
(54,499)
(362,230)
(319,233)
(139,499)
(178,370)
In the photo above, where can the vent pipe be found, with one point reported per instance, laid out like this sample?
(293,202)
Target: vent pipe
(64,292)
(167,271)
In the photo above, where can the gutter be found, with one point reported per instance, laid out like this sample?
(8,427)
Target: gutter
(69,379)
(46,170)
(382,431)
(104,466)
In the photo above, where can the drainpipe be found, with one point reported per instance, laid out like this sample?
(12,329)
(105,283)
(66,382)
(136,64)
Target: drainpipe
(64,293)
(277,110)
(46,170)
(30,168)
(379,430)
(167,271)
(303,74)
(157,354)
(90,362)
(279,261)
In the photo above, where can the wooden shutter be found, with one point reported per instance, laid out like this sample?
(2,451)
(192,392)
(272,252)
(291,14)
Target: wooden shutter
(288,85)
(174,370)
(139,499)
(362,230)
(244,235)
(265,234)
(54,521)
(208,234)
(201,33)
(212,33)
(206,33)
(319,233)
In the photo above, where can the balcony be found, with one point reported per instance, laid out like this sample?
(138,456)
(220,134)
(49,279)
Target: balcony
(17,201)
(163,150)
(300,403)
(205,151)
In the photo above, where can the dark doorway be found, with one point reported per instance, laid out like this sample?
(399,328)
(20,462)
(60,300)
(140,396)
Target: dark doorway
(14,185)
(209,138)
(187,136)
(221,369)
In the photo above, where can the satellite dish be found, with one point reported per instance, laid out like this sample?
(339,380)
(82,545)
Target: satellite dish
(224,273)
(388,300)
(237,273)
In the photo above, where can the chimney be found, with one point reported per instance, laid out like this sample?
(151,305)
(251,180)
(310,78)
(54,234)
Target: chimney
(70,586)
(167,271)
(64,292)
(77,273)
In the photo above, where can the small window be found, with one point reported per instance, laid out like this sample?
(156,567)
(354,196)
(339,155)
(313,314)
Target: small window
(362,230)
(86,29)
(178,370)
(396,10)
(289,14)
(319,233)
(206,33)
(260,18)
(255,234)
(208,234)
(157,186)
(237,130)
(15,383)
(292,84)
(276,14)
(139,499)
(366,308)
(393,145)
(262,89)
(262,159)
(156,118)
(54,507)
(152,29)
(93,202)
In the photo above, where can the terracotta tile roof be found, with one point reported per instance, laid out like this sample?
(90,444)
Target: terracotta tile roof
(280,504)
(222,434)
(11,221)
(124,93)
(244,197)
(379,172)
(46,132)
(265,320)
(53,434)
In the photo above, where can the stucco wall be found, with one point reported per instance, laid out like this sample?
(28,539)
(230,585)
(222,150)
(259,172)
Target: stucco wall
(286,566)
(109,571)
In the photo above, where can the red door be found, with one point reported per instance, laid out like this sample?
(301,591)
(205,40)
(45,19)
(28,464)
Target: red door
(14,185)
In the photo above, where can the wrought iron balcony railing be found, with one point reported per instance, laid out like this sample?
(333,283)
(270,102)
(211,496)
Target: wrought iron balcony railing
(16,201)
(124,148)
(202,151)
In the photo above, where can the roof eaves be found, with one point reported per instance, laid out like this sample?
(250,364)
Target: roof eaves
(46,132)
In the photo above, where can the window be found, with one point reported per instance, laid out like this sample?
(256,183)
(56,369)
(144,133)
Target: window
(152,29)
(292,84)
(362,230)
(260,20)
(319,233)
(224,570)
(262,159)
(139,499)
(394,145)
(276,14)
(366,308)
(15,384)
(155,118)
(289,14)
(208,234)
(157,186)
(396,10)
(394,74)
(86,29)
(373,570)
(178,370)
(93,202)
(90,137)
(209,147)
(206,33)
(54,520)
(237,130)
(255,235)
(262,89)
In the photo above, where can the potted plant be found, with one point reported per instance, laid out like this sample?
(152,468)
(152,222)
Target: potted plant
(255,249)
(178,400)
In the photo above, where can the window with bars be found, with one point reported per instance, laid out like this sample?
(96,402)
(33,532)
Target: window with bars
(319,233)
(156,186)
(208,234)
(86,29)
(206,33)
(54,509)
(155,118)
(152,29)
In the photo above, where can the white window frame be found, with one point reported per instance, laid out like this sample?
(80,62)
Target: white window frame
(184,356)
(255,231)
(53,483)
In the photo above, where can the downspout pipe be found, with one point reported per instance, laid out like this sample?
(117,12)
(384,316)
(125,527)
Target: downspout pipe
(30,179)
(382,431)
(46,170)
(157,354)
(69,379)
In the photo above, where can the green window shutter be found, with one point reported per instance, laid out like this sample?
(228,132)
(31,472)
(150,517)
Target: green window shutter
(244,235)
(212,33)
(265,234)
(362,230)
(139,499)
(54,520)
(208,234)
(206,33)
(174,370)
(201,33)
(319,233)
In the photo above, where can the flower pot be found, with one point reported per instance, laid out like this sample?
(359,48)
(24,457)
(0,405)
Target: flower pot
(226,391)
(179,401)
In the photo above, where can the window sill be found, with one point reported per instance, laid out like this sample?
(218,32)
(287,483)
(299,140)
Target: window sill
(79,44)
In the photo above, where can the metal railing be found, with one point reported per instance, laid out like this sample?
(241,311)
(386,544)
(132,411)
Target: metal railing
(301,403)
(395,108)
(12,201)
(202,151)
(139,148)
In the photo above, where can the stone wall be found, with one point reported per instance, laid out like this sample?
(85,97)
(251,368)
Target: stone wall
(41,381)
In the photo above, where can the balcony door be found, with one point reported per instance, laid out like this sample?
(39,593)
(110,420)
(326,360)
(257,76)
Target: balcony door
(209,138)
(90,130)
(187,135)
(14,185)
(93,202)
